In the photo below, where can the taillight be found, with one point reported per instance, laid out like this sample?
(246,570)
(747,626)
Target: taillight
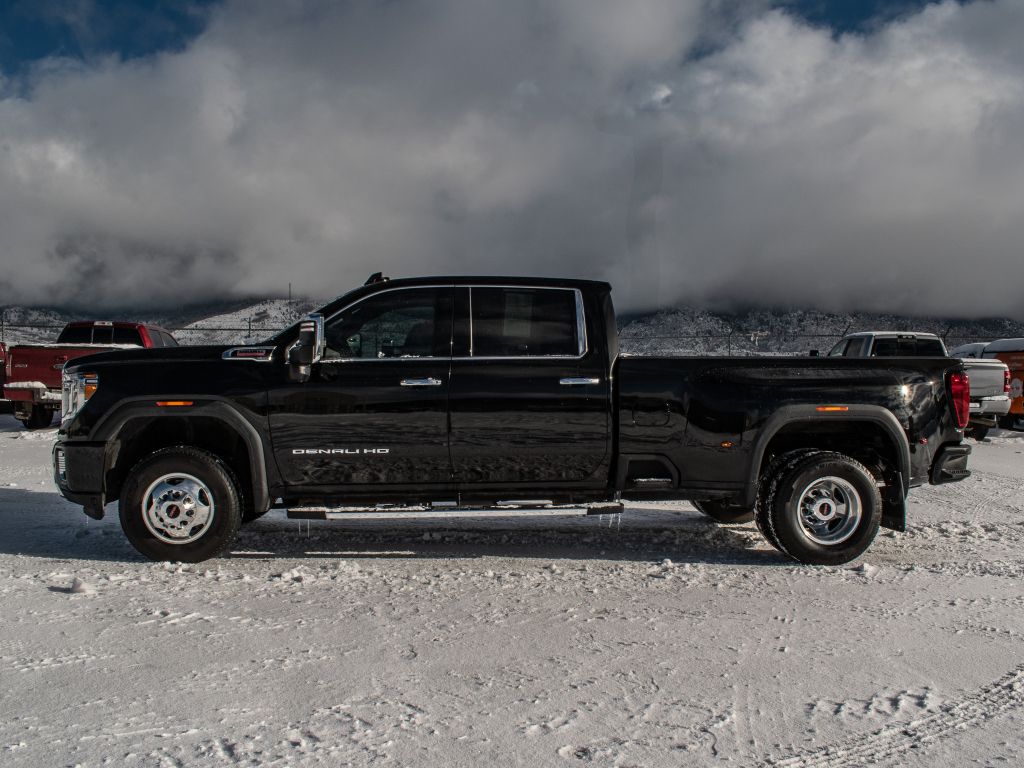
(1006,381)
(960,395)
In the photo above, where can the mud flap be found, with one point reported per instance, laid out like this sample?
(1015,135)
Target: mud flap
(950,464)
(894,504)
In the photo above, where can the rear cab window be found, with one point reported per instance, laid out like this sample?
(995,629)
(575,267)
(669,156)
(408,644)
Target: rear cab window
(907,346)
(127,336)
(79,334)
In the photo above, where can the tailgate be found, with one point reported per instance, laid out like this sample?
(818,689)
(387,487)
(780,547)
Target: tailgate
(987,377)
(42,363)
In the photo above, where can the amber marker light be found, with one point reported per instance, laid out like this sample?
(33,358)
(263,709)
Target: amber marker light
(832,408)
(726,443)
(174,403)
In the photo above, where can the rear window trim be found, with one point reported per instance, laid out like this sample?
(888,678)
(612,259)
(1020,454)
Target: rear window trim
(582,345)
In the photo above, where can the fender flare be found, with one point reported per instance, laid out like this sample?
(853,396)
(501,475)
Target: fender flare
(791,414)
(108,431)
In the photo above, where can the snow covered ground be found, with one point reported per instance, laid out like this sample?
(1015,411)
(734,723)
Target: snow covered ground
(662,640)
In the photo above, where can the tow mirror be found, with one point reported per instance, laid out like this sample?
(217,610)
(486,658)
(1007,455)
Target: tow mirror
(308,348)
(815,353)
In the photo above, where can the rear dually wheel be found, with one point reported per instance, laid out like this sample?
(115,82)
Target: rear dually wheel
(823,508)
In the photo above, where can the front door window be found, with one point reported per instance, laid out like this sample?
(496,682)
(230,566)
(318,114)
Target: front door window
(395,324)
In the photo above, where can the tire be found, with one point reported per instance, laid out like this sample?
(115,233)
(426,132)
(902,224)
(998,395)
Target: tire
(1008,422)
(724,513)
(978,433)
(186,482)
(766,485)
(40,418)
(823,509)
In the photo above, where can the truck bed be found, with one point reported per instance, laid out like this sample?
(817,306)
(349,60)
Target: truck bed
(706,418)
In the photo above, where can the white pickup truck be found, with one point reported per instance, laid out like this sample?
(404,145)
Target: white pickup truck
(989,379)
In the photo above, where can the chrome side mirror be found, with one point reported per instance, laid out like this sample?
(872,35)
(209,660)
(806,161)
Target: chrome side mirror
(307,349)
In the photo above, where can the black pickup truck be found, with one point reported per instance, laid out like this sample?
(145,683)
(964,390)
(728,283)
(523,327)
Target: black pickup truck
(499,393)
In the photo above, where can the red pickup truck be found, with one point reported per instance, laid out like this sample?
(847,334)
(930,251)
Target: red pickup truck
(5,405)
(33,371)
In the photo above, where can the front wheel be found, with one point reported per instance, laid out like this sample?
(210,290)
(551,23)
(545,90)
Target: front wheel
(824,509)
(180,504)
(724,513)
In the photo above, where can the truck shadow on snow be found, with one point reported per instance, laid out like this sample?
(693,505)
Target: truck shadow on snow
(680,536)
(39,523)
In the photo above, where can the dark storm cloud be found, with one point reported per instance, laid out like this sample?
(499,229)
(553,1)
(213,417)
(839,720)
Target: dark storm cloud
(689,152)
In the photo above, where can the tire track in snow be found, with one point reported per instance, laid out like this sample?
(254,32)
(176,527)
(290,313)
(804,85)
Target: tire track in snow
(893,740)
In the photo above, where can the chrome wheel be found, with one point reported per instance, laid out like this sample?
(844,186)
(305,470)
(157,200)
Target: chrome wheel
(830,510)
(177,508)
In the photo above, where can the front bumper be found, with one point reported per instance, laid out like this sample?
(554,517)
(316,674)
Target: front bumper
(78,471)
(950,464)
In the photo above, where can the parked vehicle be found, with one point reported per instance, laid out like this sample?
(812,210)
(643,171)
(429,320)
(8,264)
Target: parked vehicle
(989,379)
(33,370)
(5,404)
(972,350)
(1011,353)
(499,393)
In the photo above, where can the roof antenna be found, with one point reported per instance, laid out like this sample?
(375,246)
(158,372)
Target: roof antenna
(376,277)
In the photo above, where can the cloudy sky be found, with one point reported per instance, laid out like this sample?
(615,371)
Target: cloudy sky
(837,155)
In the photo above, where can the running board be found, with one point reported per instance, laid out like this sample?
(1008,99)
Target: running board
(443,510)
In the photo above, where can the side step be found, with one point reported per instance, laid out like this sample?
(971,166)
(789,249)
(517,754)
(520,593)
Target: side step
(445,510)
(652,483)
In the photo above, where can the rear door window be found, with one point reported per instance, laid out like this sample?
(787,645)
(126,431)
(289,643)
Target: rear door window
(525,322)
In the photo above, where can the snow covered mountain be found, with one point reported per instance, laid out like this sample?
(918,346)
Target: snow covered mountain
(246,325)
(688,331)
(238,323)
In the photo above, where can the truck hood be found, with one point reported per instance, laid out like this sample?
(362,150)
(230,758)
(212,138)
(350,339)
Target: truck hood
(137,355)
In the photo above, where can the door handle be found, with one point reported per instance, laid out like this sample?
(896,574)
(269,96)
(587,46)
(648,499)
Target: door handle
(578,381)
(429,382)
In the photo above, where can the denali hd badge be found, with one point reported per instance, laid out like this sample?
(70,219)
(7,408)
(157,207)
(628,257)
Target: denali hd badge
(346,451)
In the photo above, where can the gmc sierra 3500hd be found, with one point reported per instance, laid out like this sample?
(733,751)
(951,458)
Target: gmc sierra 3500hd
(501,393)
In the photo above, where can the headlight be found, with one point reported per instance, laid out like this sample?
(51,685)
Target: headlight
(76,389)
